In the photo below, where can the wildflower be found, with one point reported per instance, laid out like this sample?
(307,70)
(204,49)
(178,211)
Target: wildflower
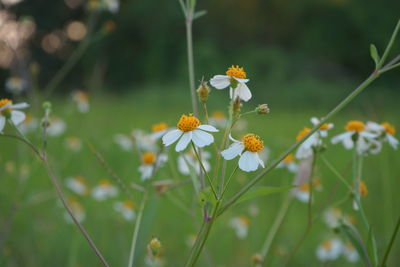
(333,217)
(188,162)
(77,185)
(143,140)
(126,209)
(323,129)
(350,253)
(303,193)
(77,210)
(306,149)
(240,225)
(329,250)
(125,142)
(189,129)
(81,99)
(159,130)
(248,150)
(56,127)
(154,247)
(9,111)
(73,143)
(15,85)
(151,161)
(355,135)
(386,131)
(29,124)
(235,78)
(289,163)
(218,119)
(104,190)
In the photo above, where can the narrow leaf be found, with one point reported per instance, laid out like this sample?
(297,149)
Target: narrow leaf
(262,191)
(355,238)
(199,14)
(374,53)
(372,248)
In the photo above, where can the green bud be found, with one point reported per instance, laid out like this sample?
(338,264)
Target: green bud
(46,105)
(262,109)
(203,91)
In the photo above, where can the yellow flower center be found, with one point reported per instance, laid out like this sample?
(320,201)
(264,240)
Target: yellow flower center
(80,179)
(253,143)
(4,102)
(82,96)
(389,128)
(302,133)
(362,187)
(357,126)
(148,158)
(128,204)
(236,72)
(159,127)
(327,245)
(289,159)
(244,220)
(304,188)
(188,123)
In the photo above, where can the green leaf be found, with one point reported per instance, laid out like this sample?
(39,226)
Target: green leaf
(206,196)
(355,238)
(199,14)
(262,191)
(374,54)
(372,248)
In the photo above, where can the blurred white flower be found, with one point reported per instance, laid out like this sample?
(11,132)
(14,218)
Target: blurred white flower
(330,250)
(144,141)
(323,130)
(350,253)
(15,85)
(241,226)
(77,210)
(386,131)
(57,127)
(30,124)
(289,163)
(126,209)
(189,129)
(306,149)
(125,142)
(332,217)
(73,143)
(77,185)
(302,193)
(81,99)
(151,162)
(159,130)
(235,78)
(9,111)
(104,190)
(188,162)
(112,5)
(248,150)
(218,119)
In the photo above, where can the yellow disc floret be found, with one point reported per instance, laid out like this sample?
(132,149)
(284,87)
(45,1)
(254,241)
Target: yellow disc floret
(303,133)
(159,127)
(304,188)
(244,220)
(236,72)
(357,126)
(188,123)
(128,204)
(253,143)
(148,158)
(389,128)
(4,102)
(289,159)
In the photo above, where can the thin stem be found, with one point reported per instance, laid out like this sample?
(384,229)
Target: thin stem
(205,171)
(396,230)
(337,174)
(136,230)
(332,113)
(229,180)
(389,46)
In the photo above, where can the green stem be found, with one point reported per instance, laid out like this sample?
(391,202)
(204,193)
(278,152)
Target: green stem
(389,46)
(204,170)
(396,230)
(337,174)
(136,230)
(229,180)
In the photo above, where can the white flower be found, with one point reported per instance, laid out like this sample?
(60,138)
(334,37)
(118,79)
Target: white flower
(81,99)
(10,111)
(126,209)
(77,210)
(350,253)
(329,250)
(288,163)
(306,149)
(73,143)
(302,193)
(189,129)
(125,142)
(15,85)
(188,162)
(144,141)
(151,162)
(218,119)
(57,127)
(112,5)
(30,124)
(77,185)
(104,190)
(323,130)
(240,225)
(235,78)
(384,130)
(159,130)
(357,136)
(332,217)
(248,150)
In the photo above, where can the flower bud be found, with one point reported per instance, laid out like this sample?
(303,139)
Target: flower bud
(46,105)
(262,109)
(203,91)
(154,247)
(256,258)
(236,106)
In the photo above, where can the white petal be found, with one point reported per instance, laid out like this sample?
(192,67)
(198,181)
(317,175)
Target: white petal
(368,135)
(20,106)
(314,120)
(171,137)
(241,80)
(184,141)
(17,116)
(207,128)
(220,81)
(230,92)
(339,138)
(248,161)
(390,138)
(260,161)
(232,151)
(243,92)
(233,139)
(202,139)
(2,123)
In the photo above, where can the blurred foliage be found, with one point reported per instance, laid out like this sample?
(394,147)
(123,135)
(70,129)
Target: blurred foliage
(272,39)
